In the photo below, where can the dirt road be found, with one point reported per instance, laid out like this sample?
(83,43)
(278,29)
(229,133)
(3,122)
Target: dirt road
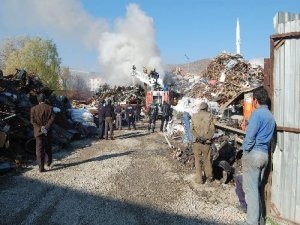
(130,180)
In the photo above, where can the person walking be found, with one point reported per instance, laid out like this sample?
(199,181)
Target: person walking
(166,111)
(152,114)
(130,116)
(118,113)
(42,118)
(109,114)
(101,118)
(259,133)
(203,129)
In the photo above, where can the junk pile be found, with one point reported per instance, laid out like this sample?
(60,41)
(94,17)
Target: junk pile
(17,95)
(132,94)
(223,86)
(182,84)
(225,77)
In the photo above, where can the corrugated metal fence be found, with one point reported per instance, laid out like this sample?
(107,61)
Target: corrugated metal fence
(285,194)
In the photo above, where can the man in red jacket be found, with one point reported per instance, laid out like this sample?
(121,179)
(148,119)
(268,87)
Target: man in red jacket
(42,118)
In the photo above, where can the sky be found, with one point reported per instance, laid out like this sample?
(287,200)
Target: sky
(108,36)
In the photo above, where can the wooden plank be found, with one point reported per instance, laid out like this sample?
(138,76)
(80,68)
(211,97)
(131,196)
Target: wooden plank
(286,35)
(219,125)
(288,129)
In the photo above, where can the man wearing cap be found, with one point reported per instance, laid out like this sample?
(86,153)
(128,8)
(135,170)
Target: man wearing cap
(42,118)
(203,129)
(152,114)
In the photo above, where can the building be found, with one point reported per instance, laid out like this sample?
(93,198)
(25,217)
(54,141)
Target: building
(94,83)
(92,79)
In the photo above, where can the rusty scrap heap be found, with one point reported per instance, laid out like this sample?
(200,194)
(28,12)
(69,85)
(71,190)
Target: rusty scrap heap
(17,95)
(132,94)
(225,77)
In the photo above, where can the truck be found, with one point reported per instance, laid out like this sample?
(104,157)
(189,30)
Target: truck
(152,85)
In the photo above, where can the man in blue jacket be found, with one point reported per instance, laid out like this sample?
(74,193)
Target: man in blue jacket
(259,133)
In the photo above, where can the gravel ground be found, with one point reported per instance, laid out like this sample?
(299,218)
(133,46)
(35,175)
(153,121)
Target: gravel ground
(130,180)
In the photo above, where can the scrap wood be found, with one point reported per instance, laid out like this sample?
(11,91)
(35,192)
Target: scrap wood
(171,146)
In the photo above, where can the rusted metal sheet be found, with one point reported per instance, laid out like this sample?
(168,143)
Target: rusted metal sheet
(289,35)
(288,129)
(285,72)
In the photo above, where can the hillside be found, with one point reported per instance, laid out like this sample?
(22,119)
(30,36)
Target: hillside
(196,67)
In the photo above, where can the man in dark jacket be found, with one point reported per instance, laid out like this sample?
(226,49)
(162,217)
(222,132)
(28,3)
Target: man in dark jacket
(101,118)
(166,111)
(203,129)
(137,111)
(109,113)
(42,118)
(152,114)
(130,116)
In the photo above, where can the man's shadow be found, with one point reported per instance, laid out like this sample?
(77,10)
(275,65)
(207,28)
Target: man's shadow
(131,135)
(266,183)
(59,166)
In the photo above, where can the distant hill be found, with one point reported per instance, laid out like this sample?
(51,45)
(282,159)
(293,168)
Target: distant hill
(196,67)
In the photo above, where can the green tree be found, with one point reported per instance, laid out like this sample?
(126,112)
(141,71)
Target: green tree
(35,55)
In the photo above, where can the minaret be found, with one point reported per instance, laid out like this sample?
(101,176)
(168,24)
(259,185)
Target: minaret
(238,37)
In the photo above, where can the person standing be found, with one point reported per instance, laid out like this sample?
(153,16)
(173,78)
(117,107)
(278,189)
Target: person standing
(137,111)
(259,133)
(109,114)
(203,129)
(166,111)
(130,116)
(186,119)
(118,113)
(152,114)
(101,118)
(42,118)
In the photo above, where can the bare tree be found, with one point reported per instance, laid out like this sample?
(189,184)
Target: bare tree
(66,78)
(80,87)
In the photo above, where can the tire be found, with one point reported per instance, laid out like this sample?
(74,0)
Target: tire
(227,171)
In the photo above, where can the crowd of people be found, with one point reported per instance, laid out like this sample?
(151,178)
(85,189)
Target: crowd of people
(128,115)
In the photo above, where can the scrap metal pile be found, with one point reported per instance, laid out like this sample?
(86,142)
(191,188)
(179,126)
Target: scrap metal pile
(132,94)
(17,96)
(224,80)
(225,77)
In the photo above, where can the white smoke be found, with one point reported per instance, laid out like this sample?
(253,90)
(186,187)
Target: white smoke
(257,62)
(131,43)
(60,19)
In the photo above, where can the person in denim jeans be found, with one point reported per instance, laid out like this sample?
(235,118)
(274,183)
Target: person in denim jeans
(259,132)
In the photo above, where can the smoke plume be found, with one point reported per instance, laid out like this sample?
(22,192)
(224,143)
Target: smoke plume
(130,42)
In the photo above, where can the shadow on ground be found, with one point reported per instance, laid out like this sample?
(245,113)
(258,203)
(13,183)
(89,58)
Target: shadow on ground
(59,166)
(28,201)
(132,135)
